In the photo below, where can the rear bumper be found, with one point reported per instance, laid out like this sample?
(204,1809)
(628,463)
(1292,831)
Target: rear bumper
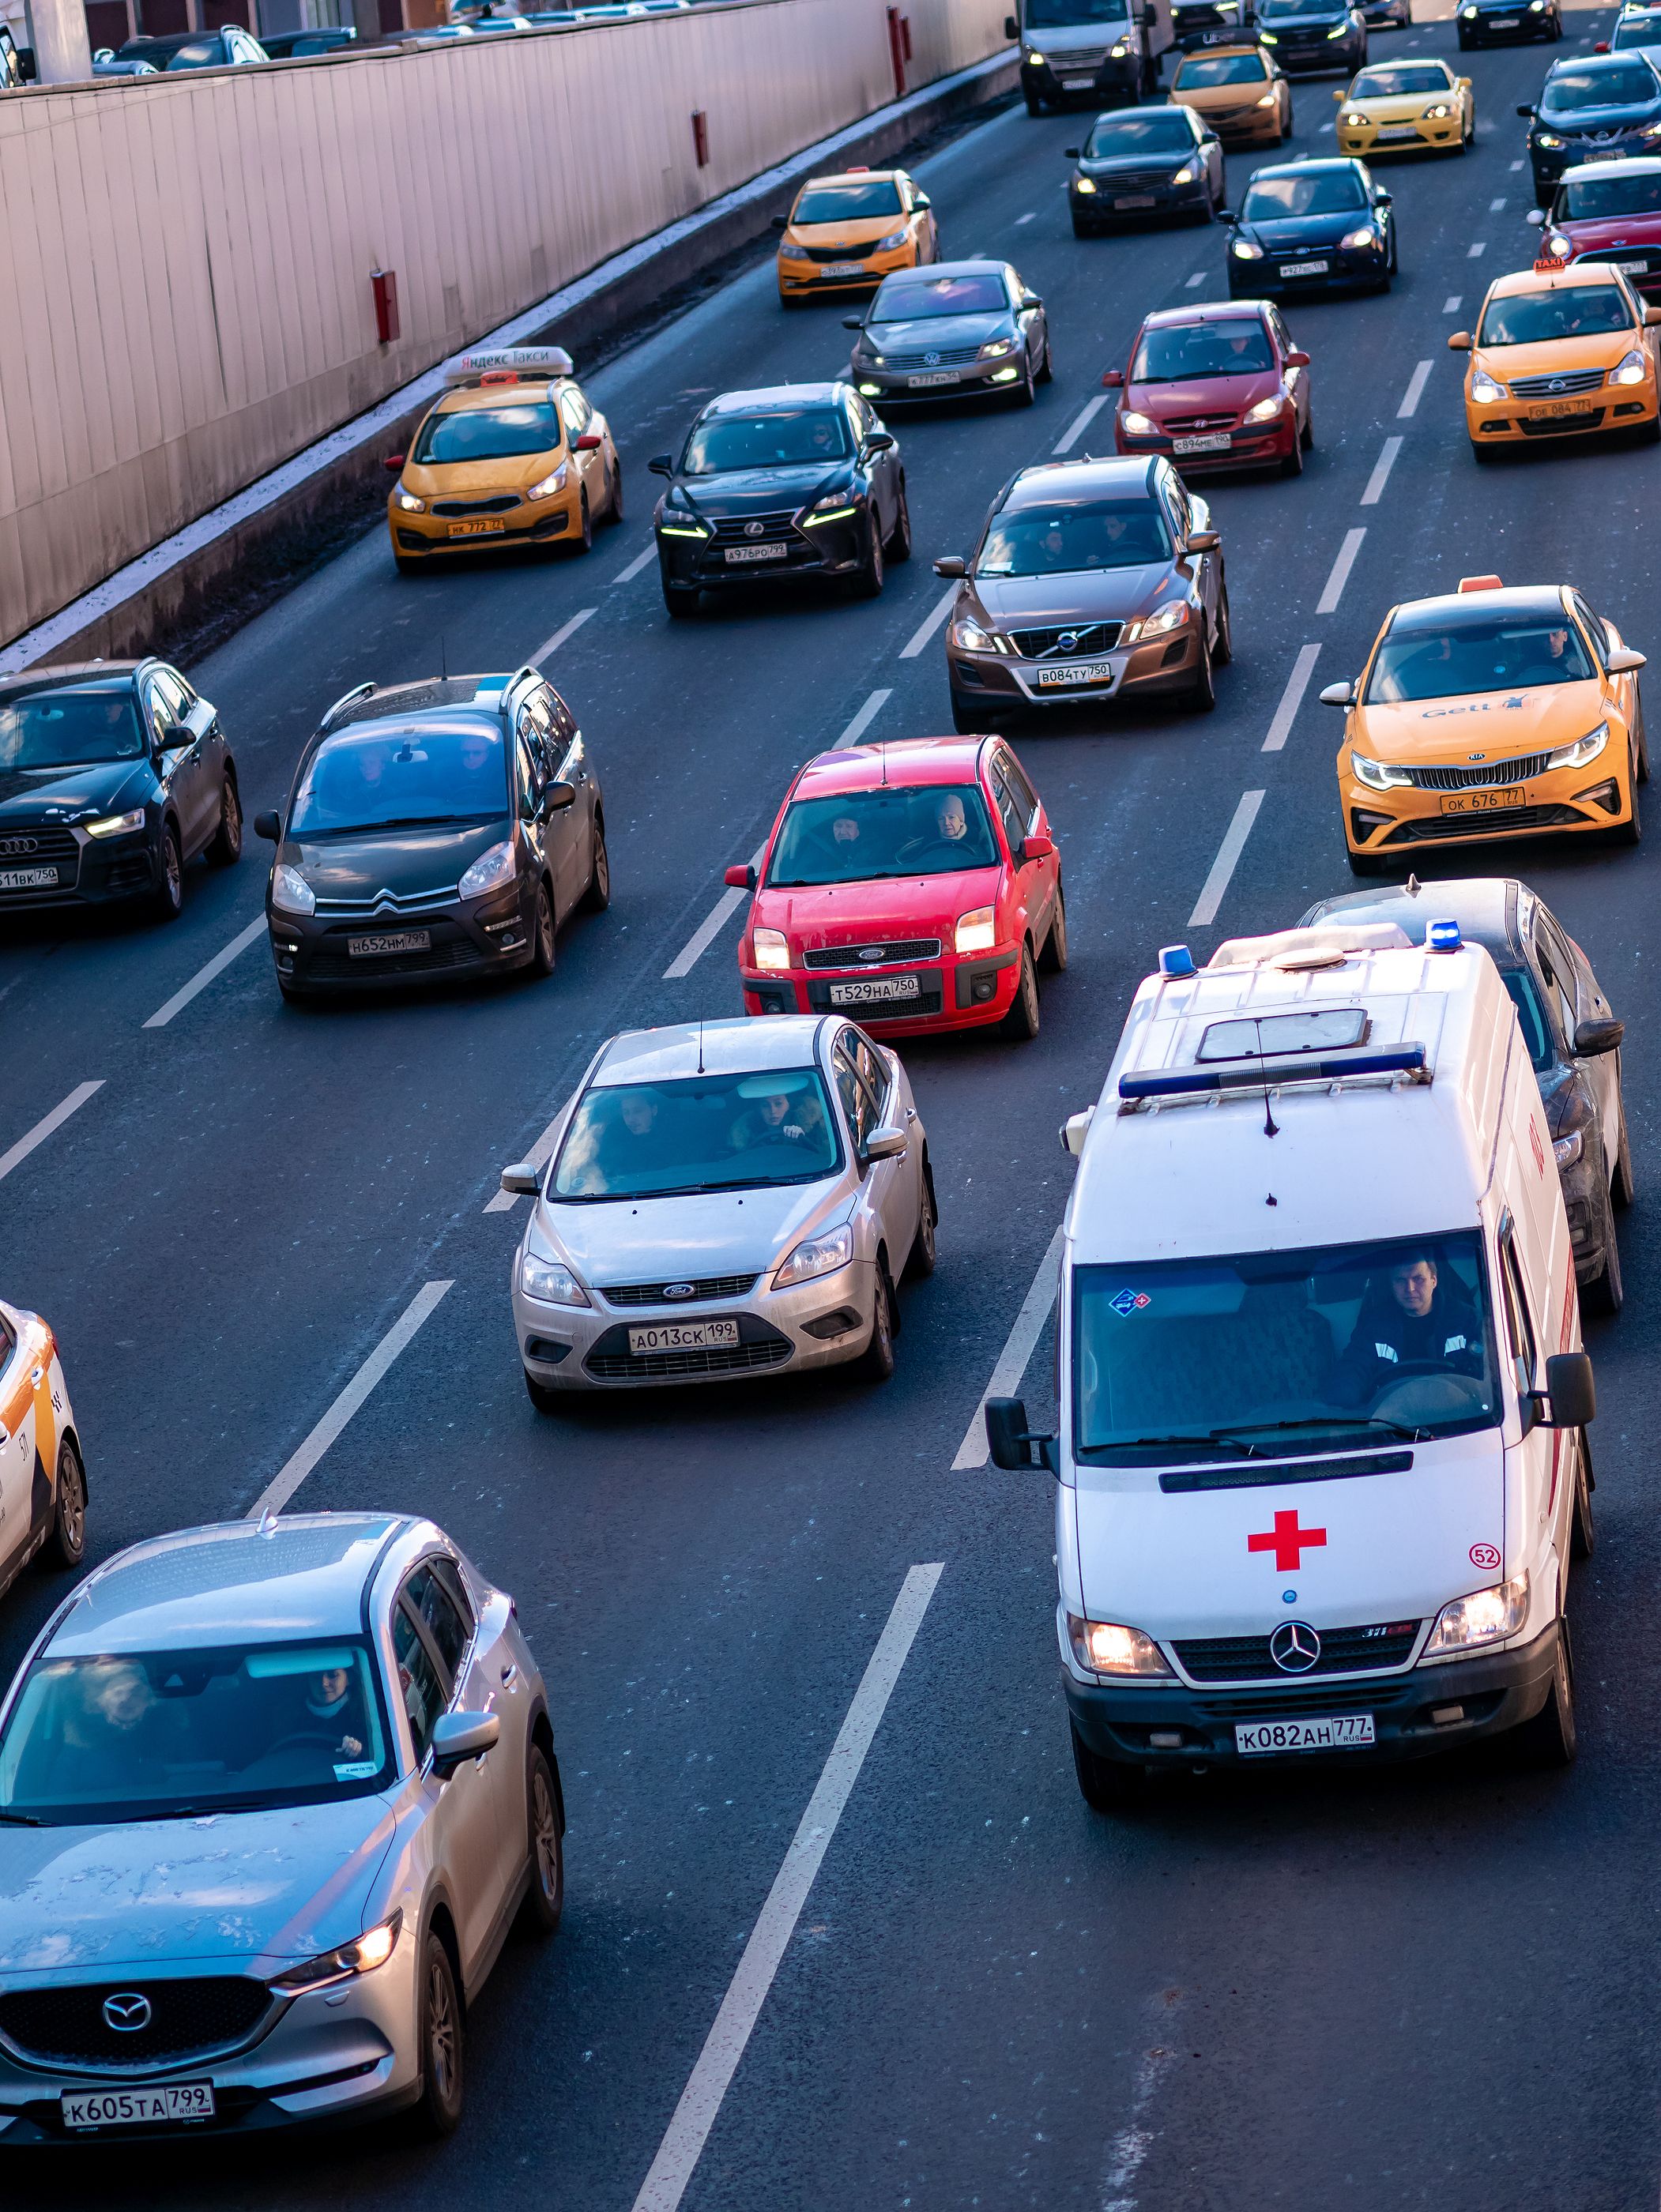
(953,993)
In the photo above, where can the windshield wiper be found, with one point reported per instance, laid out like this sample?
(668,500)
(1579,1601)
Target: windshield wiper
(392,822)
(1183,1442)
(20,1820)
(1198,375)
(1329,1421)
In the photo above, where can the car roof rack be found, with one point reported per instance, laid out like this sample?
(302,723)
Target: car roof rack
(1270,1073)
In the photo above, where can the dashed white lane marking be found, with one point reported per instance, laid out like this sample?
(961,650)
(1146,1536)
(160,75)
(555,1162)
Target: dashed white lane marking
(565,629)
(713,922)
(293,1471)
(1450,305)
(1414,392)
(1006,1377)
(1197,279)
(1478,247)
(42,1129)
(1130,2147)
(1292,698)
(1328,602)
(1021,219)
(221,961)
(1496,207)
(1515,166)
(927,628)
(628,575)
(701,2100)
(1080,422)
(1326,130)
(1228,855)
(863,721)
(1381,468)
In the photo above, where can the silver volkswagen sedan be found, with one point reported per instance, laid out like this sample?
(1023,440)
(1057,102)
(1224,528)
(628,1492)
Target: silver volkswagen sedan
(723,1198)
(270,1796)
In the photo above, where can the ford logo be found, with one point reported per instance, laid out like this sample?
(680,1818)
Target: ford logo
(755,529)
(127,2011)
(14,845)
(871,952)
(680,1290)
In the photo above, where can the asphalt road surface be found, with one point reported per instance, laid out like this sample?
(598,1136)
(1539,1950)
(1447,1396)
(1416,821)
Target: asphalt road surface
(1431,1986)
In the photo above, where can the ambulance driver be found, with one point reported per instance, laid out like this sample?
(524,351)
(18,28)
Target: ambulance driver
(1409,1318)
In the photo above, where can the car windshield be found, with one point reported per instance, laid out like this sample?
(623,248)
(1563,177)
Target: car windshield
(911,298)
(1262,1353)
(697,1132)
(1397,83)
(1629,85)
(848,202)
(373,778)
(1275,11)
(69,729)
(1200,71)
(785,438)
(1316,191)
(1073,534)
(1608,194)
(1646,34)
(201,54)
(1446,659)
(155,1735)
(1176,355)
(1141,130)
(866,836)
(488,433)
(1058,15)
(1578,310)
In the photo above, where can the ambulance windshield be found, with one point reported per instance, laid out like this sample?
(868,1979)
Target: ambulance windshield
(1271,1354)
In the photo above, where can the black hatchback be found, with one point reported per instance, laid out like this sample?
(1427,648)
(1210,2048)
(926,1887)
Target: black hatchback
(1309,37)
(1311,226)
(113,774)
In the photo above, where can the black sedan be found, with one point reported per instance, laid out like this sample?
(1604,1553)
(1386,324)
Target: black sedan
(113,774)
(1308,36)
(798,481)
(1311,226)
(434,830)
(1145,161)
(299,45)
(1505,22)
(1571,1037)
(1600,105)
(230,48)
(959,330)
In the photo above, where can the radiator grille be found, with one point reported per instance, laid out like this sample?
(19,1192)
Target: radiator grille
(67,2025)
(656,1294)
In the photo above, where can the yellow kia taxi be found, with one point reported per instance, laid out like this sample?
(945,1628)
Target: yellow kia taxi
(848,232)
(1399,107)
(1560,350)
(513,454)
(1240,92)
(1489,712)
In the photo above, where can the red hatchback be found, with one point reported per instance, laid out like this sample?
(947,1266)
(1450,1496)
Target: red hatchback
(1609,211)
(1217,386)
(914,885)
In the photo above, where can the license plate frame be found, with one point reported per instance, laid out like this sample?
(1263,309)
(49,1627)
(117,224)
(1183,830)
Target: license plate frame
(489,525)
(682,1336)
(935,376)
(1128,203)
(1342,1732)
(29,879)
(181,2103)
(738,556)
(386,943)
(843,269)
(1562,411)
(1397,131)
(1500,23)
(1212,441)
(1321,267)
(1078,84)
(1076,676)
(1633,268)
(1501,800)
(876,991)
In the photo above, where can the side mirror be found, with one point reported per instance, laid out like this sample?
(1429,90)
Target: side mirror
(521,1179)
(1382,199)
(661,464)
(394,464)
(1074,1130)
(1627,661)
(879,441)
(1600,1036)
(1037,847)
(1227,215)
(1072,152)
(458,1737)
(1527,113)
(589,443)
(951,564)
(1339,97)
(1113,379)
(1338,694)
(1297,358)
(884,1143)
(1202,541)
(1601,46)
(1012,29)
(1030,300)
(853,322)
(741,878)
(921,200)
(1536,215)
(269,825)
(176,735)
(1651,317)
(780,222)
(1011,1441)
(558,796)
(1459,342)
(1569,1400)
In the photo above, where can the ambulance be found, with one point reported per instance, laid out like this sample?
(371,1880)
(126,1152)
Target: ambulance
(1321,1459)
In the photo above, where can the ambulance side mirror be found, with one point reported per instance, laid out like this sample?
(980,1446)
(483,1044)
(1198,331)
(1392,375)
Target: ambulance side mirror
(1569,1400)
(1012,1443)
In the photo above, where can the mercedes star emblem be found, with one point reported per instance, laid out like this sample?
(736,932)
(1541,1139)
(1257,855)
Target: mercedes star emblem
(127,2011)
(1294,1647)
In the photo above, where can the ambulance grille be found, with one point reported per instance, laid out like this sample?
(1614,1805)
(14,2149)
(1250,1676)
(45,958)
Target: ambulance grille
(1343,1651)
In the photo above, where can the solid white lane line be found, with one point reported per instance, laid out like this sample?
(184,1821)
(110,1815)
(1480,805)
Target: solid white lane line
(221,961)
(1006,1377)
(1328,602)
(1198,278)
(1228,855)
(1292,698)
(863,721)
(1414,392)
(293,1471)
(701,2100)
(928,627)
(560,635)
(1450,305)
(1496,207)
(1381,468)
(1080,422)
(1478,246)
(628,575)
(713,922)
(42,1129)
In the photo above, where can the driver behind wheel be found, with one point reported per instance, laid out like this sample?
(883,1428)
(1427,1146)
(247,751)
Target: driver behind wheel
(331,1706)
(1409,1318)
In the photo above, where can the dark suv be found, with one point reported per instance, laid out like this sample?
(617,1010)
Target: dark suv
(1591,109)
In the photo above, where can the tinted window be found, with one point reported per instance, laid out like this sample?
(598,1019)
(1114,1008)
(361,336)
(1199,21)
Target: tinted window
(1044,14)
(857,1103)
(1201,71)
(793,437)
(1191,351)
(201,54)
(1320,191)
(370,777)
(1496,655)
(1272,11)
(1578,310)
(1395,83)
(487,433)
(1141,131)
(439,1615)
(1590,196)
(419,1684)
(63,729)
(1630,85)
(848,202)
(1530,1018)
(911,298)
(1073,534)
(697,1132)
(866,836)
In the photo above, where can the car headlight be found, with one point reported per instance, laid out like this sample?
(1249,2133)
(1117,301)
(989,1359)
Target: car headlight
(1650,131)
(1536,7)
(1185,175)
(1484,389)
(894,237)
(977,930)
(1104,1647)
(1357,239)
(770,949)
(1083,184)
(815,1255)
(1484,1617)
(1548,138)
(1266,411)
(1243,249)
(835,506)
(1033,55)
(1557,244)
(1138,425)
(408,502)
(968,637)
(1354,120)
(1435,115)
(1567,1150)
(362,1957)
(1380,775)
(1159,623)
(551,484)
(995,349)
(1120,50)
(491,871)
(1582,750)
(290,891)
(1470,15)
(1268,38)
(115,825)
(1267,100)
(1632,367)
(550,1283)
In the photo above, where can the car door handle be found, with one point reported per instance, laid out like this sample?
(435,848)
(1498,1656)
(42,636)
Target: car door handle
(510,1673)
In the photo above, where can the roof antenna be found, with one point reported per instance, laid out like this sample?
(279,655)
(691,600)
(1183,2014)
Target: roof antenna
(1412,886)
(1271,1127)
(443,662)
(882,755)
(700,1044)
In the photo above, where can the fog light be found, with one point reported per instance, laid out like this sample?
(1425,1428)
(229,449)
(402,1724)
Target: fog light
(1164,1739)
(1443,1716)
(983,988)
(832,1324)
(1005,376)
(1606,795)
(870,391)
(547,1349)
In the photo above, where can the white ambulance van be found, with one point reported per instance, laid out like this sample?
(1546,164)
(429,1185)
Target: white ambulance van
(1321,1459)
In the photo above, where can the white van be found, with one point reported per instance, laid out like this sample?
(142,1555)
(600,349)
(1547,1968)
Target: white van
(1322,1460)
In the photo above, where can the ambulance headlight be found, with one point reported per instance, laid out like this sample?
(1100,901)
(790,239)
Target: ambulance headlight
(1103,1647)
(1378,775)
(1487,1616)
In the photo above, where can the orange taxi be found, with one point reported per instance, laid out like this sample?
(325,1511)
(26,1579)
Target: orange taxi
(1559,351)
(846,233)
(1240,92)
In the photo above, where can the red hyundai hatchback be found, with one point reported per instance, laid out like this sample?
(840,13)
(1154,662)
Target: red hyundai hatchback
(1217,386)
(914,885)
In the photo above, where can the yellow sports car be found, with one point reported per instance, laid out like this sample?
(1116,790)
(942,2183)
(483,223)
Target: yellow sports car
(1558,350)
(846,233)
(1489,712)
(513,454)
(1398,107)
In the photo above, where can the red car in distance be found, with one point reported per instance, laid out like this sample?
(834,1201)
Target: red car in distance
(1607,212)
(1217,386)
(913,886)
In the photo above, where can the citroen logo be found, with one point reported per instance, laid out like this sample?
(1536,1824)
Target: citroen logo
(1294,1647)
(679,1289)
(127,2011)
(755,529)
(12,845)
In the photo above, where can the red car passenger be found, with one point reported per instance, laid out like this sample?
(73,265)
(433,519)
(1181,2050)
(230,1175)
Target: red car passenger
(913,885)
(1217,386)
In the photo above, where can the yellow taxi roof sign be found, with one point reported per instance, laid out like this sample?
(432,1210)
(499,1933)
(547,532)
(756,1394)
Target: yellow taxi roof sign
(502,363)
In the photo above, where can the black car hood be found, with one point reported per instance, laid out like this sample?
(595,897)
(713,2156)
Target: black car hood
(1111,165)
(938,333)
(760,491)
(1298,27)
(402,861)
(67,793)
(1578,120)
(1305,229)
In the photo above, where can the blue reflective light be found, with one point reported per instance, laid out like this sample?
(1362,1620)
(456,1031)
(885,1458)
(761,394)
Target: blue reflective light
(1175,960)
(1442,936)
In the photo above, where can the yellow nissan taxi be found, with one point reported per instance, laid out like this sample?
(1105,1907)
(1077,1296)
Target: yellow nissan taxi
(1399,107)
(1560,350)
(1240,92)
(515,453)
(1489,712)
(848,232)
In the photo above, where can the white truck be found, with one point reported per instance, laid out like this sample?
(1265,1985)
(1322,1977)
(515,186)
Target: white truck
(1101,52)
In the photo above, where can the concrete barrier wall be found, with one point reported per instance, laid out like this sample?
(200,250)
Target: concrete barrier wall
(187,261)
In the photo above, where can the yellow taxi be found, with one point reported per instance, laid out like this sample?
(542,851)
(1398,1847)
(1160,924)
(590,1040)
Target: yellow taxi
(1240,92)
(43,1477)
(846,233)
(1558,351)
(1400,107)
(515,453)
(1487,713)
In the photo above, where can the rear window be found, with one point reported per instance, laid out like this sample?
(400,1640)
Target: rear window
(1201,71)
(866,836)
(1578,310)
(1631,85)
(1586,198)
(488,433)
(848,202)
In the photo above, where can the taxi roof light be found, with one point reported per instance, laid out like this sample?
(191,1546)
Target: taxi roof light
(1482,584)
(509,364)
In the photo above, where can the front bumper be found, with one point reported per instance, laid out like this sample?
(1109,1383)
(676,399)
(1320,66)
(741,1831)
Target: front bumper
(1260,445)
(1398,824)
(523,522)
(1488,1692)
(1062,87)
(801,277)
(1269,278)
(824,548)
(87,871)
(1133,202)
(1606,407)
(1383,138)
(1503,27)
(488,936)
(1000,681)
(954,992)
(968,379)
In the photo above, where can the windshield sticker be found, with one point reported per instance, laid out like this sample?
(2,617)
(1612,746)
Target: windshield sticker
(1129,1302)
(356,1770)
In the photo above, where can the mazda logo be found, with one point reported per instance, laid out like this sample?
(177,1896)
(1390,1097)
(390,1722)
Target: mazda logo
(755,529)
(127,2011)
(679,1289)
(1294,1647)
(14,845)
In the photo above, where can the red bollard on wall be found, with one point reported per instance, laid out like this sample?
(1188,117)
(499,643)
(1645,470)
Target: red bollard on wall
(898,48)
(384,282)
(700,137)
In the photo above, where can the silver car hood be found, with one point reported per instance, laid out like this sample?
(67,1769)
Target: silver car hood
(718,1232)
(231,1886)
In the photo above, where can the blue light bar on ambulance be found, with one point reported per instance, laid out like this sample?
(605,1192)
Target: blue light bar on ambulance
(1442,935)
(1261,1074)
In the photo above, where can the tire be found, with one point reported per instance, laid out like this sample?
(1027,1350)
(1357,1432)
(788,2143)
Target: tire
(1551,1739)
(544,1898)
(1053,958)
(1203,696)
(1485,456)
(541,931)
(1583,1536)
(584,540)
(1294,463)
(876,1363)
(1027,391)
(1464,44)
(1364,864)
(1222,650)
(1047,373)
(545,1400)
(1643,745)
(66,1545)
(1082,229)
(1103,1783)
(682,603)
(1605,1292)
(1622,1190)
(1648,433)
(1306,438)
(1631,831)
(919,1260)
(169,895)
(226,849)
(443,2072)
(868,582)
(1021,1021)
(598,896)
(614,511)
(1034,104)
(406,564)
(899,548)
